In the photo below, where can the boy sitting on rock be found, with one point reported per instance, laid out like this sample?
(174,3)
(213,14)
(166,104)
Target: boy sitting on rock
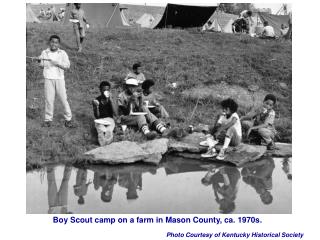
(104,108)
(149,99)
(228,127)
(260,122)
(130,101)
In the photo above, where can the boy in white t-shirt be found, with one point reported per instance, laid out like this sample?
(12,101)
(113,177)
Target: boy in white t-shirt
(228,126)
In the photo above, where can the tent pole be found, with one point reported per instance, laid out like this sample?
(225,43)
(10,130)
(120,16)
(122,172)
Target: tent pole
(112,14)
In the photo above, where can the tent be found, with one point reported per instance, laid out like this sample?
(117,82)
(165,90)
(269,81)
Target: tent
(30,16)
(99,15)
(275,21)
(123,17)
(222,21)
(185,16)
(145,20)
(156,20)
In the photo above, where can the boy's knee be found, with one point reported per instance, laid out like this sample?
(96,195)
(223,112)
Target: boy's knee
(264,132)
(141,120)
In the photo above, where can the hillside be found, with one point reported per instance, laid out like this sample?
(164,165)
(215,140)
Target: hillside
(206,68)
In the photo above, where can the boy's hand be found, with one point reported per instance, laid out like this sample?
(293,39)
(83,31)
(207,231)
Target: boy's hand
(95,102)
(54,62)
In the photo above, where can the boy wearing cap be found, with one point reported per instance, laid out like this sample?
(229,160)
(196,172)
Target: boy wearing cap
(136,74)
(130,100)
(104,107)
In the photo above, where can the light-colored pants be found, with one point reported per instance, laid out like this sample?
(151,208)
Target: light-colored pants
(267,134)
(51,88)
(139,120)
(105,132)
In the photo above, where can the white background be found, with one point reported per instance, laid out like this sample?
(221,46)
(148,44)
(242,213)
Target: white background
(15,224)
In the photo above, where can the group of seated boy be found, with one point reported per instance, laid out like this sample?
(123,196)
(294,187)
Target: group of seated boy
(136,106)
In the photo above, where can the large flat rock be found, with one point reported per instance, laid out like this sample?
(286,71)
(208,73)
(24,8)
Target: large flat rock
(238,155)
(189,144)
(129,152)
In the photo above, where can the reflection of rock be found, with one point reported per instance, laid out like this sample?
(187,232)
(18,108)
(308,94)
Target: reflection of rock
(129,152)
(245,153)
(189,143)
(282,150)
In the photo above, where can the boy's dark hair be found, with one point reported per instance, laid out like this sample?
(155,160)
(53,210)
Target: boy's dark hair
(54,37)
(104,83)
(270,97)
(265,23)
(136,65)
(229,103)
(147,84)
(249,13)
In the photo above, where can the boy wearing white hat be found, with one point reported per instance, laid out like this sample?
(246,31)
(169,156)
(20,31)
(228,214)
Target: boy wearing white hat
(130,100)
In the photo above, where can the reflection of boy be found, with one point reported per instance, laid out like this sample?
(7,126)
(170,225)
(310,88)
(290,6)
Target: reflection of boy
(260,122)
(58,200)
(131,181)
(81,187)
(224,182)
(259,176)
(148,95)
(104,107)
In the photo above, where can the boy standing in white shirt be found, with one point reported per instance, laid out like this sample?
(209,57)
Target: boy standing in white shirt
(54,62)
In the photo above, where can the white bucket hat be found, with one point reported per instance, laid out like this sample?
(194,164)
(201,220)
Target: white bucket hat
(132,81)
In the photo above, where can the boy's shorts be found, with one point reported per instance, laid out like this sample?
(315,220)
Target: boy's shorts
(80,31)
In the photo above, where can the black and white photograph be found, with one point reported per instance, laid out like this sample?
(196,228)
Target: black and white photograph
(164,108)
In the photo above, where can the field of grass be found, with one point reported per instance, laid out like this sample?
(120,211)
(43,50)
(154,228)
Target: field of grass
(206,68)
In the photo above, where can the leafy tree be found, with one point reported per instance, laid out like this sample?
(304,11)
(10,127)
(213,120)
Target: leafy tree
(235,8)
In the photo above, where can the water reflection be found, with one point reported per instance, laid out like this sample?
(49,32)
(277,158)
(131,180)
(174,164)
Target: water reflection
(286,167)
(224,181)
(81,187)
(177,182)
(259,176)
(58,200)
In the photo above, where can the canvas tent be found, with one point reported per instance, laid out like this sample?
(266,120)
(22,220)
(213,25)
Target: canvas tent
(123,17)
(145,20)
(275,21)
(185,16)
(99,15)
(30,16)
(222,21)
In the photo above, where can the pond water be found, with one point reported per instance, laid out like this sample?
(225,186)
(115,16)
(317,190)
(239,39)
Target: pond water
(177,185)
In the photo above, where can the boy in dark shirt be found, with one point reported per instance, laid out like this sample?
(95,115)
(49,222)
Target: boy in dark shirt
(150,99)
(104,109)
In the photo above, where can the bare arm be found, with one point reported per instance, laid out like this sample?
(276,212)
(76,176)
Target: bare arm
(226,126)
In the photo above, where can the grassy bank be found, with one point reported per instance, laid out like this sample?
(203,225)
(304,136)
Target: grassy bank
(206,68)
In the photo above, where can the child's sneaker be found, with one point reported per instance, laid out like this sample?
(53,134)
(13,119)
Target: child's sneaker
(210,153)
(221,155)
(70,124)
